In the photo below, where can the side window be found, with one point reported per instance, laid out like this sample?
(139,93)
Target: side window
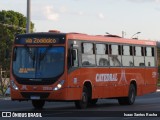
(114,49)
(149,52)
(149,58)
(120,50)
(88,56)
(138,51)
(102,55)
(134,50)
(88,48)
(126,50)
(75,58)
(139,56)
(131,50)
(153,52)
(127,58)
(143,50)
(115,58)
(100,49)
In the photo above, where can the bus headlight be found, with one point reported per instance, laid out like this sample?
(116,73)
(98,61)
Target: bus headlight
(59,85)
(14,86)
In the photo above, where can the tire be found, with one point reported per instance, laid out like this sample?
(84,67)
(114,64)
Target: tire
(93,101)
(131,97)
(82,104)
(38,104)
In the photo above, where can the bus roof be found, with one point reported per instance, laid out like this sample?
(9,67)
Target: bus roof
(98,38)
(113,39)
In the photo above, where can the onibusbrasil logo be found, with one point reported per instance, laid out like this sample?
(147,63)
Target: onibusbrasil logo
(20,114)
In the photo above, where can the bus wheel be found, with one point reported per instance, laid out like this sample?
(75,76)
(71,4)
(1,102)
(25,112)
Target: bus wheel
(93,101)
(38,104)
(131,97)
(81,104)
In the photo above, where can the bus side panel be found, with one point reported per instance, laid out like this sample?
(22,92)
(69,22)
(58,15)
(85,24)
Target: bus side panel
(150,84)
(106,89)
(101,87)
(137,75)
(77,79)
(74,85)
(120,88)
(117,86)
(90,75)
(111,88)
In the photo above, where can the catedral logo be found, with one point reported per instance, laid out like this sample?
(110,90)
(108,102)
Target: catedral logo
(106,77)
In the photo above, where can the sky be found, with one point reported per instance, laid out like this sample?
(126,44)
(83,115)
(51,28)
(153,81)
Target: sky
(94,17)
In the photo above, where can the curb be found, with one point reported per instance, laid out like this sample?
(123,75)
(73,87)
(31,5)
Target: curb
(5,98)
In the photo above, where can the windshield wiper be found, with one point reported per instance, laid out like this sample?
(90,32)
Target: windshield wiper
(30,53)
(44,53)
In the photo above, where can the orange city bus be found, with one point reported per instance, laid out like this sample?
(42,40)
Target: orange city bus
(83,68)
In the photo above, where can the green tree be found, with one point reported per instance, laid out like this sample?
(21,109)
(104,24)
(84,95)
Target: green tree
(11,23)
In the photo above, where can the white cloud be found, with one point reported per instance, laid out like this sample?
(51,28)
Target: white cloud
(157,1)
(50,14)
(80,13)
(101,15)
(63,9)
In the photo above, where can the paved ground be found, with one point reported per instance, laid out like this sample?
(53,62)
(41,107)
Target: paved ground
(67,111)
(8,98)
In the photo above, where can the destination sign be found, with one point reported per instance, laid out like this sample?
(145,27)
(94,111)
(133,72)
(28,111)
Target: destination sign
(40,40)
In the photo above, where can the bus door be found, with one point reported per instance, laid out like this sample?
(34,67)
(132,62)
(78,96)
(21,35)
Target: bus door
(73,74)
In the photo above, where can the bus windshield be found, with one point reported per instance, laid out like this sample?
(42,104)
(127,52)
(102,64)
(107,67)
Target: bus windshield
(38,62)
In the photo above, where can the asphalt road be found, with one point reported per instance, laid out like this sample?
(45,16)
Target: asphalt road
(105,108)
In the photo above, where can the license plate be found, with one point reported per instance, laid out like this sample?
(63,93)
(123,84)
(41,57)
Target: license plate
(35,97)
